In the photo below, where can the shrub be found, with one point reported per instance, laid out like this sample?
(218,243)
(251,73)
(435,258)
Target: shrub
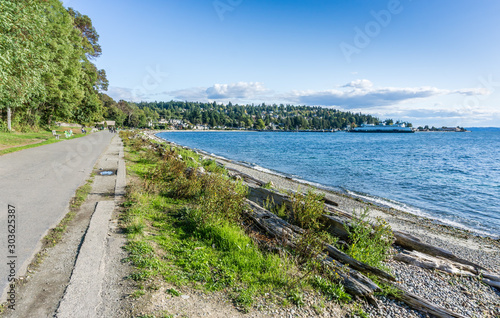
(186,187)
(369,244)
(268,185)
(307,209)
(279,210)
(330,289)
(211,166)
(222,199)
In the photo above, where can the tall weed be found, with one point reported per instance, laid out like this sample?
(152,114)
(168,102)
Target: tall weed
(222,198)
(369,243)
(307,209)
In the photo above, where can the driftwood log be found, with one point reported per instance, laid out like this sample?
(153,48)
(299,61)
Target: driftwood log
(421,304)
(354,263)
(445,265)
(354,282)
(492,283)
(337,225)
(430,262)
(413,243)
(258,194)
(246,177)
(261,195)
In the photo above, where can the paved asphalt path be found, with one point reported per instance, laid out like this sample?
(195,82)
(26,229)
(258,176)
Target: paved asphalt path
(39,183)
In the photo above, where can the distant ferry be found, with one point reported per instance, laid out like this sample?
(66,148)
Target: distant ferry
(371,128)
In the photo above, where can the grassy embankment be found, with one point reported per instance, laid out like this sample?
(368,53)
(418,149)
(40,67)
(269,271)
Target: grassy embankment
(15,141)
(187,229)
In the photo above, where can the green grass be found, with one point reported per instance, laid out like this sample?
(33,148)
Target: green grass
(190,233)
(329,289)
(173,292)
(357,311)
(16,141)
(187,241)
(213,257)
(15,138)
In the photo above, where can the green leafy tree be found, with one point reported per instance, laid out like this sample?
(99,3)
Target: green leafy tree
(45,72)
(248,122)
(63,88)
(90,110)
(260,124)
(88,32)
(93,80)
(23,57)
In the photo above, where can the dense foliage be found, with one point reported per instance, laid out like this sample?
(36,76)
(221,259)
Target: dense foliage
(214,115)
(45,68)
(261,116)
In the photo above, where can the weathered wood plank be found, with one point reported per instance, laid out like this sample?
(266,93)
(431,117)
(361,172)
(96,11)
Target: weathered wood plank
(419,303)
(410,242)
(430,262)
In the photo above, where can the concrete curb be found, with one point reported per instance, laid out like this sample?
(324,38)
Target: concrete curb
(83,293)
(121,180)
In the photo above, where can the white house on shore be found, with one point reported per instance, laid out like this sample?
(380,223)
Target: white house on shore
(107,123)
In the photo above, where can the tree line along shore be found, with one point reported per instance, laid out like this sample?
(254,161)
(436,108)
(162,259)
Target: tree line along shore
(184,115)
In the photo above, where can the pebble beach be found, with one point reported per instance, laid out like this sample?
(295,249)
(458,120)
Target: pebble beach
(464,295)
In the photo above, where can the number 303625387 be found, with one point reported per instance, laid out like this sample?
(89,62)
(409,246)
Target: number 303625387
(11,225)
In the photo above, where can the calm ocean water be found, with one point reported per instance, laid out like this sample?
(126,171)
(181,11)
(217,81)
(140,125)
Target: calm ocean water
(450,177)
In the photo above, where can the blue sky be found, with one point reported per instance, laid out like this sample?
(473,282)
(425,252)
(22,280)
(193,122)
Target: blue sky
(427,62)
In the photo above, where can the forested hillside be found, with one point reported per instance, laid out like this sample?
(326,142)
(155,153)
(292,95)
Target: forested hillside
(261,116)
(280,117)
(46,68)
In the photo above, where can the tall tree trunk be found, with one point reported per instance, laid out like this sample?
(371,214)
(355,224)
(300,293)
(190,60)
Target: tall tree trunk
(9,123)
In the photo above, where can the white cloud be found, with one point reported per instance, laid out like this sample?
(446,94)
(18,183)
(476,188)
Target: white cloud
(224,92)
(236,90)
(360,83)
(361,93)
(362,97)
(472,91)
